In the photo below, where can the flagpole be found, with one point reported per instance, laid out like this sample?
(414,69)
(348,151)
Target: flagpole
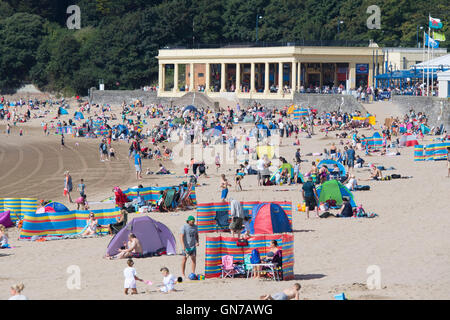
(428,57)
(423,69)
(432,71)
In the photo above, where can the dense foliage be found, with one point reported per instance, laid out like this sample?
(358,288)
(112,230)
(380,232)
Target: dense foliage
(119,39)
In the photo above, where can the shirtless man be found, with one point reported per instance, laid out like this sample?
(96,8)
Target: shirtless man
(286,294)
(375,173)
(132,250)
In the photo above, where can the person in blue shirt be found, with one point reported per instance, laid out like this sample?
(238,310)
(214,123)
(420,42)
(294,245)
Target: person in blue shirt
(138,165)
(350,158)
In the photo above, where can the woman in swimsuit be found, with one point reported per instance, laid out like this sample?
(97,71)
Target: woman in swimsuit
(92,225)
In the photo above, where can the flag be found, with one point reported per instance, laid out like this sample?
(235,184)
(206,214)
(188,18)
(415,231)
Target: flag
(435,23)
(438,36)
(430,42)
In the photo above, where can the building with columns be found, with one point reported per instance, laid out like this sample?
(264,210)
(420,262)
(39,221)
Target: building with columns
(265,72)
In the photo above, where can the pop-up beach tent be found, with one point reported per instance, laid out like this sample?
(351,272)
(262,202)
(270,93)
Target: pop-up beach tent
(78,115)
(269,218)
(153,235)
(334,190)
(330,166)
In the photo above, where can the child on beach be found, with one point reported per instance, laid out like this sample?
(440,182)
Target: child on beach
(130,278)
(217,160)
(169,281)
(238,178)
(3,237)
(186,171)
(81,187)
(82,202)
(224,184)
(286,294)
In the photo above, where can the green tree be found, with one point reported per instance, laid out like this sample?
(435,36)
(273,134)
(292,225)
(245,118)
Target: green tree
(20,36)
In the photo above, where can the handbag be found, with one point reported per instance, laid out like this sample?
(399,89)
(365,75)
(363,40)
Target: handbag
(242,243)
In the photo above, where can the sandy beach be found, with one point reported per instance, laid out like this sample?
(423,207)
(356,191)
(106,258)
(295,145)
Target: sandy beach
(408,242)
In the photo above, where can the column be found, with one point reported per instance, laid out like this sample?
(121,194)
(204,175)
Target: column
(280,78)
(299,75)
(238,77)
(321,75)
(252,78)
(266,78)
(335,75)
(294,77)
(370,75)
(352,75)
(160,78)
(175,78)
(191,78)
(208,77)
(222,78)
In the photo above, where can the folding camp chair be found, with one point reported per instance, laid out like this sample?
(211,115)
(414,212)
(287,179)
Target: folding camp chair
(222,223)
(247,264)
(227,267)
(169,198)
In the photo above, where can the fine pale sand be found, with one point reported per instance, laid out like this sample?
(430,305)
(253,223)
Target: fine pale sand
(408,242)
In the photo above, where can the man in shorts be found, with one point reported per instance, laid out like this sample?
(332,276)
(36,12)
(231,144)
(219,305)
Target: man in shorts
(189,242)
(286,294)
(138,165)
(309,196)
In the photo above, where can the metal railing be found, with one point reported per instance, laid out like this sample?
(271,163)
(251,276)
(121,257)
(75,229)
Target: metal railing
(262,44)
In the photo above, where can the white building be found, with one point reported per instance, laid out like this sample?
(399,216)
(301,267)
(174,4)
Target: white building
(444,84)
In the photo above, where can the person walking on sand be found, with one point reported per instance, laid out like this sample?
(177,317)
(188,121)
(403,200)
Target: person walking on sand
(130,278)
(68,186)
(286,294)
(138,165)
(62,141)
(189,242)
(224,184)
(310,195)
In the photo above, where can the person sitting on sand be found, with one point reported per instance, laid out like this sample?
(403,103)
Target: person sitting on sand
(92,225)
(169,281)
(323,174)
(347,210)
(286,294)
(121,222)
(162,170)
(130,278)
(3,237)
(375,173)
(351,183)
(132,249)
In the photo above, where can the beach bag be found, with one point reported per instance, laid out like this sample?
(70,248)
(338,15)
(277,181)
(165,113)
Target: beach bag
(242,243)
(255,258)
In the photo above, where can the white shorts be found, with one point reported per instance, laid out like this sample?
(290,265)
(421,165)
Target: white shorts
(129,284)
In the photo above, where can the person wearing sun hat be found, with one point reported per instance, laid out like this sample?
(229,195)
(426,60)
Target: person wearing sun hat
(189,242)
